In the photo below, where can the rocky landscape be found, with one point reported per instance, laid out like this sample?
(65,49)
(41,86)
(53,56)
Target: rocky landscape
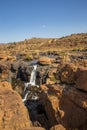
(61,75)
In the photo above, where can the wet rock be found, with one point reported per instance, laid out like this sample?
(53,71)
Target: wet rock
(18,63)
(12,69)
(22,74)
(81,81)
(13,114)
(18,86)
(37,113)
(42,74)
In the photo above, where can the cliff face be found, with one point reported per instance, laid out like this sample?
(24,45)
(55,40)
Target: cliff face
(13,114)
(67,106)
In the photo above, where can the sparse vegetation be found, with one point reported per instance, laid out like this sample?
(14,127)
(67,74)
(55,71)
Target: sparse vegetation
(28,57)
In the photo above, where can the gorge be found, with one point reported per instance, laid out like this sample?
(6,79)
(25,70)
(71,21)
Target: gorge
(43,84)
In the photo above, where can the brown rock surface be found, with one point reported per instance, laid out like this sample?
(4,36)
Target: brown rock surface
(11,58)
(50,98)
(66,106)
(34,128)
(3,67)
(3,57)
(13,114)
(45,60)
(5,84)
(81,81)
(74,105)
(58,127)
(67,73)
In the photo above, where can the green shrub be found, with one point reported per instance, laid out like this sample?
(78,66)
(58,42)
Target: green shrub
(29,57)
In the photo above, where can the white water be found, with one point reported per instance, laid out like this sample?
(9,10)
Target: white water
(32,78)
(25,98)
(32,81)
(33,75)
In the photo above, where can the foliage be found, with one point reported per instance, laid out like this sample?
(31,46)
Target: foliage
(28,57)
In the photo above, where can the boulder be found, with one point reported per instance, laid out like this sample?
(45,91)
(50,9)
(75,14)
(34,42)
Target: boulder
(73,104)
(50,98)
(65,106)
(13,113)
(3,57)
(3,67)
(11,58)
(18,86)
(5,74)
(5,84)
(67,74)
(81,81)
(45,60)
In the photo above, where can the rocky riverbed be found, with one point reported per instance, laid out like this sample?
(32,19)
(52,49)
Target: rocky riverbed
(60,101)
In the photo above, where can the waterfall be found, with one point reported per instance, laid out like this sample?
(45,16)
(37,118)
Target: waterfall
(33,76)
(32,82)
(25,98)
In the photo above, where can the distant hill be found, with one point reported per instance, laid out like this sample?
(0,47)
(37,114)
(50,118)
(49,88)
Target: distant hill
(74,41)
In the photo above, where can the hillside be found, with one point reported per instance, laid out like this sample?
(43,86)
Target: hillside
(69,42)
(74,45)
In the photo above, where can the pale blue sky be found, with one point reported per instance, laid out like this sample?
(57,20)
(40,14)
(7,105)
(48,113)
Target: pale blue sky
(22,19)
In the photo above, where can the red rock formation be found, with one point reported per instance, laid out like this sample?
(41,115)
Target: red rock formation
(13,114)
(46,60)
(73,104)
(66,106)
(3,57)
(5,84)
(67,74)
(50,98)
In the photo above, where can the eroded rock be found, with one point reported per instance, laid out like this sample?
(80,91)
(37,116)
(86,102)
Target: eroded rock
(50,98)
(67,74)
(66,106)
(46,60)
(74,105)
(81,81)
(13,114)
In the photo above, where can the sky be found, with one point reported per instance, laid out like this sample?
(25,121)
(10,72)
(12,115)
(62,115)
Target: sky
(24,19)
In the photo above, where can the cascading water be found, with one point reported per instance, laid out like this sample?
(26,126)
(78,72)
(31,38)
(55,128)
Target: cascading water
(24,99)
(31,83)
(33,102)
(33,76)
